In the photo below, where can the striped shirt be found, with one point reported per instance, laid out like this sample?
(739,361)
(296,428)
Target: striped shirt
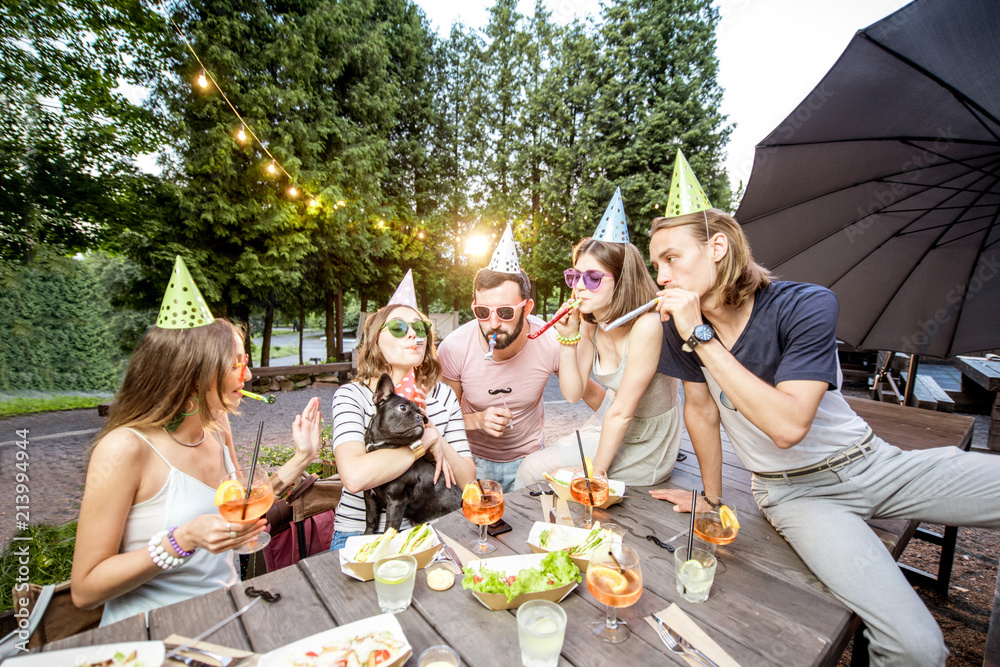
(353,410)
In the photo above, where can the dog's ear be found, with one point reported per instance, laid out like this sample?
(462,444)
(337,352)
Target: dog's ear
(384,390)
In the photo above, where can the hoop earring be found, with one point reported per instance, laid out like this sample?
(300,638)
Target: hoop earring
(176,422)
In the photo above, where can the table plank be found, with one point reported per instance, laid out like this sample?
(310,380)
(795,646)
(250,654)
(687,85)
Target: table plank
(190,620)
(985,373)
(132,629)
(913,428)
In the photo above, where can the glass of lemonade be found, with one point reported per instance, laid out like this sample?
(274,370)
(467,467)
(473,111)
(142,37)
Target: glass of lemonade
(614,578)
(394,576)
(695,573)
(541,627)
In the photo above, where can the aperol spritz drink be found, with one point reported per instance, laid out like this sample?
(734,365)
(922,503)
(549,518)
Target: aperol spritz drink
(589,491)
(236,506)
(482,504)
(614,578)
(715,522)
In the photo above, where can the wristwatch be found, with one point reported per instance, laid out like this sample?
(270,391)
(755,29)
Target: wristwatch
(701,334)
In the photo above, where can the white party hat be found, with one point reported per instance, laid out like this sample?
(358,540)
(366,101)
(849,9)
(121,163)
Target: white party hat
(504,257)
(405,294)
(613,227)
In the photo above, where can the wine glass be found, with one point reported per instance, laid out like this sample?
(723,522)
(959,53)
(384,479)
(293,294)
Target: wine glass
(482,504)
(235,506)
(615,579)
(715,522)
(589,492)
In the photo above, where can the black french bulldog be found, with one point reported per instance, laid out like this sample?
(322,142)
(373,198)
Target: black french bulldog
(398,422)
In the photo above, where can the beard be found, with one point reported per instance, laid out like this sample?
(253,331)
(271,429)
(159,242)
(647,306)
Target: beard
(505,339)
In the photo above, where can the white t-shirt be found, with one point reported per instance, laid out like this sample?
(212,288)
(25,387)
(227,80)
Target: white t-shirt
(353,409)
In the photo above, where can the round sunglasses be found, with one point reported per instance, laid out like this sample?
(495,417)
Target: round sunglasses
(505,313)
(591,278)
(399,328)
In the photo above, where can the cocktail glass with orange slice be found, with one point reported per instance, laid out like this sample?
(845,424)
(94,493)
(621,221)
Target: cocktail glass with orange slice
(236,507)
(715,521)
(614,578)
(482,504)
(589,487)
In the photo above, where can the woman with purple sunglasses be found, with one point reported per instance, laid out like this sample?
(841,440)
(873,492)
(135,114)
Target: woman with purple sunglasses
(639,436)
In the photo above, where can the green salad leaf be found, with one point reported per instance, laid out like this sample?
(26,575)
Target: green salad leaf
(555,570)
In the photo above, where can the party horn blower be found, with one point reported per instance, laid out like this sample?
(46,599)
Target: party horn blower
(629,316)
(558,316)
(258,397)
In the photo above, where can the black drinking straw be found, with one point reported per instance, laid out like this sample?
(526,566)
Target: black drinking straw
(253,467)
(694,503)
(583,462)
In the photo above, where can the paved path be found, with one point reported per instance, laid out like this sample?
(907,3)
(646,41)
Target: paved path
(59,447)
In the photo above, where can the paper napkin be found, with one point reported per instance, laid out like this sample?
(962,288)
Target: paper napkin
(173,641)
(677,620)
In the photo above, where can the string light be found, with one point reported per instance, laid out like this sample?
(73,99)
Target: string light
(202,81)
(313,202)
(270,168)
(292,191)
(241,135)
(421,234)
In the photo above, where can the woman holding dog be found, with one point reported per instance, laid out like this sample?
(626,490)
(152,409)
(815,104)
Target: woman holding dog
(641,431)
(149,532)
(396,340)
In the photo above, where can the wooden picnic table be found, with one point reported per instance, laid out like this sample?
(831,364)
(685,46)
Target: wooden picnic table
(765,608)
(985,374)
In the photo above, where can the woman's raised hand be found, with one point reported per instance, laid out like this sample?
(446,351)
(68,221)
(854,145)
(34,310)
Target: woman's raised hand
(305,430)
(569,324)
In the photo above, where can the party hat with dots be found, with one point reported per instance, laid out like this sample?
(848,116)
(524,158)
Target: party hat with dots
(407,388)
(504,258)
(405,294)
(613,227)
(183,306)
(686,195)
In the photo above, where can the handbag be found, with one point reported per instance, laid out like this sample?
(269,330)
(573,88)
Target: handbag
(50,614)
(302,523)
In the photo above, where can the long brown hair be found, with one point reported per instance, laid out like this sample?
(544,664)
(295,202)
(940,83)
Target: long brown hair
(737,276)
(169,367)
(371,363)
(633,284)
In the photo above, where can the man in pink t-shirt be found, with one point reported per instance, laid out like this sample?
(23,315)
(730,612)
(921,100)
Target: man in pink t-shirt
(501,397)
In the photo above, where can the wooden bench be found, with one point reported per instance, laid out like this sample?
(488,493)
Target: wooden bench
(983,375)
(343,370)
(928,395)
(991,657)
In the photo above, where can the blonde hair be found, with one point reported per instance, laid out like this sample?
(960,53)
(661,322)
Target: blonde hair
(737,276)
(633,284)
(371,362)
(167,368)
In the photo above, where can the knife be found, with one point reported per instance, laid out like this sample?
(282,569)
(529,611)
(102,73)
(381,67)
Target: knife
(685,644)
(447,549)
(175,653)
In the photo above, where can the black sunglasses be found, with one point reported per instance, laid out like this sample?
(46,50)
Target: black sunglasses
(399,328)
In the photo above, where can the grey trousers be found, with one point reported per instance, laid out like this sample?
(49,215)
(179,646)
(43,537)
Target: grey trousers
(823,518)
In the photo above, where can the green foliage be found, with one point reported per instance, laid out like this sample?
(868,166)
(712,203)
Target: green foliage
(12,406)
(274,456)
(58,335)
(50,558)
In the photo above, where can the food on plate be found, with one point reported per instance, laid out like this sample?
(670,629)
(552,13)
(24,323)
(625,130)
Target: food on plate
(419,538)
(368,650)
(558,538)
(119,659)
(555,570)
(372,551)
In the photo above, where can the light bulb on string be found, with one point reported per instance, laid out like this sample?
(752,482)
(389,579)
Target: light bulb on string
(241,135)
(270,168)
(421,234)
(293,192)
(313,202)
(202,80)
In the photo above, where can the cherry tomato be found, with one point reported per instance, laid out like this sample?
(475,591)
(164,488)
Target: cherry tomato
(381,655)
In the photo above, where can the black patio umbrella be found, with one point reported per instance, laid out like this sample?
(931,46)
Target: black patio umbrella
(884,183)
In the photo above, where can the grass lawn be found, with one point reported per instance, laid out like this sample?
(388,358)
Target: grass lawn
(12,406)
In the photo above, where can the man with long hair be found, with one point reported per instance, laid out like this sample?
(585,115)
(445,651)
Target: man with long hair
(759,356)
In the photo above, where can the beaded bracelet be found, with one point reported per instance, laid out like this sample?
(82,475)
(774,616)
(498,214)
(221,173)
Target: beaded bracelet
(177,548)
(569,340)
(159,554)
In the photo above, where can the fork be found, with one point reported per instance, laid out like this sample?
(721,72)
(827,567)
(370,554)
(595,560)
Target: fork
(223,660)
(675,647)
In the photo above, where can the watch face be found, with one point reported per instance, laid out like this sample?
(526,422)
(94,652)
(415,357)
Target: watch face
(703,333)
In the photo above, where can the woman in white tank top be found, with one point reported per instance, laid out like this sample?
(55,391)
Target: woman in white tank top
(149,532)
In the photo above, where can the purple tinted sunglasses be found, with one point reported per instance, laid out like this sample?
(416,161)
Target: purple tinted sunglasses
(591,278)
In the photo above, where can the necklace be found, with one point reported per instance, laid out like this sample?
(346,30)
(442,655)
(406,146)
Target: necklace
(193,444)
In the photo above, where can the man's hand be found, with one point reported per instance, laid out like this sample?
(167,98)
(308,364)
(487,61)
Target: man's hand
(683,306)
(494,420)
(679,497)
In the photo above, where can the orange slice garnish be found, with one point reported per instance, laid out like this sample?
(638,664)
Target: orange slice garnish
(588,467)
(610,579)
(471,494)
(728,518)
(229,491)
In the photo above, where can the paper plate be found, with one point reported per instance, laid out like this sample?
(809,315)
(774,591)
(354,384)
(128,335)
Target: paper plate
(366,571)
(295,653)
(148,654)
(513,565)
(540,526)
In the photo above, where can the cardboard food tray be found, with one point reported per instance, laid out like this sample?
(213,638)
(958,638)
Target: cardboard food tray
(281,657)
(540,526)
(560,479)
(513,565)
(366,571)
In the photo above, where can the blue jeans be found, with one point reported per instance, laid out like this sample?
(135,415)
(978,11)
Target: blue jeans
(340,539)
(504,472)
(823,518)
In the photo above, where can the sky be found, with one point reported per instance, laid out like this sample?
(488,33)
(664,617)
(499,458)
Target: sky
(772,53)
